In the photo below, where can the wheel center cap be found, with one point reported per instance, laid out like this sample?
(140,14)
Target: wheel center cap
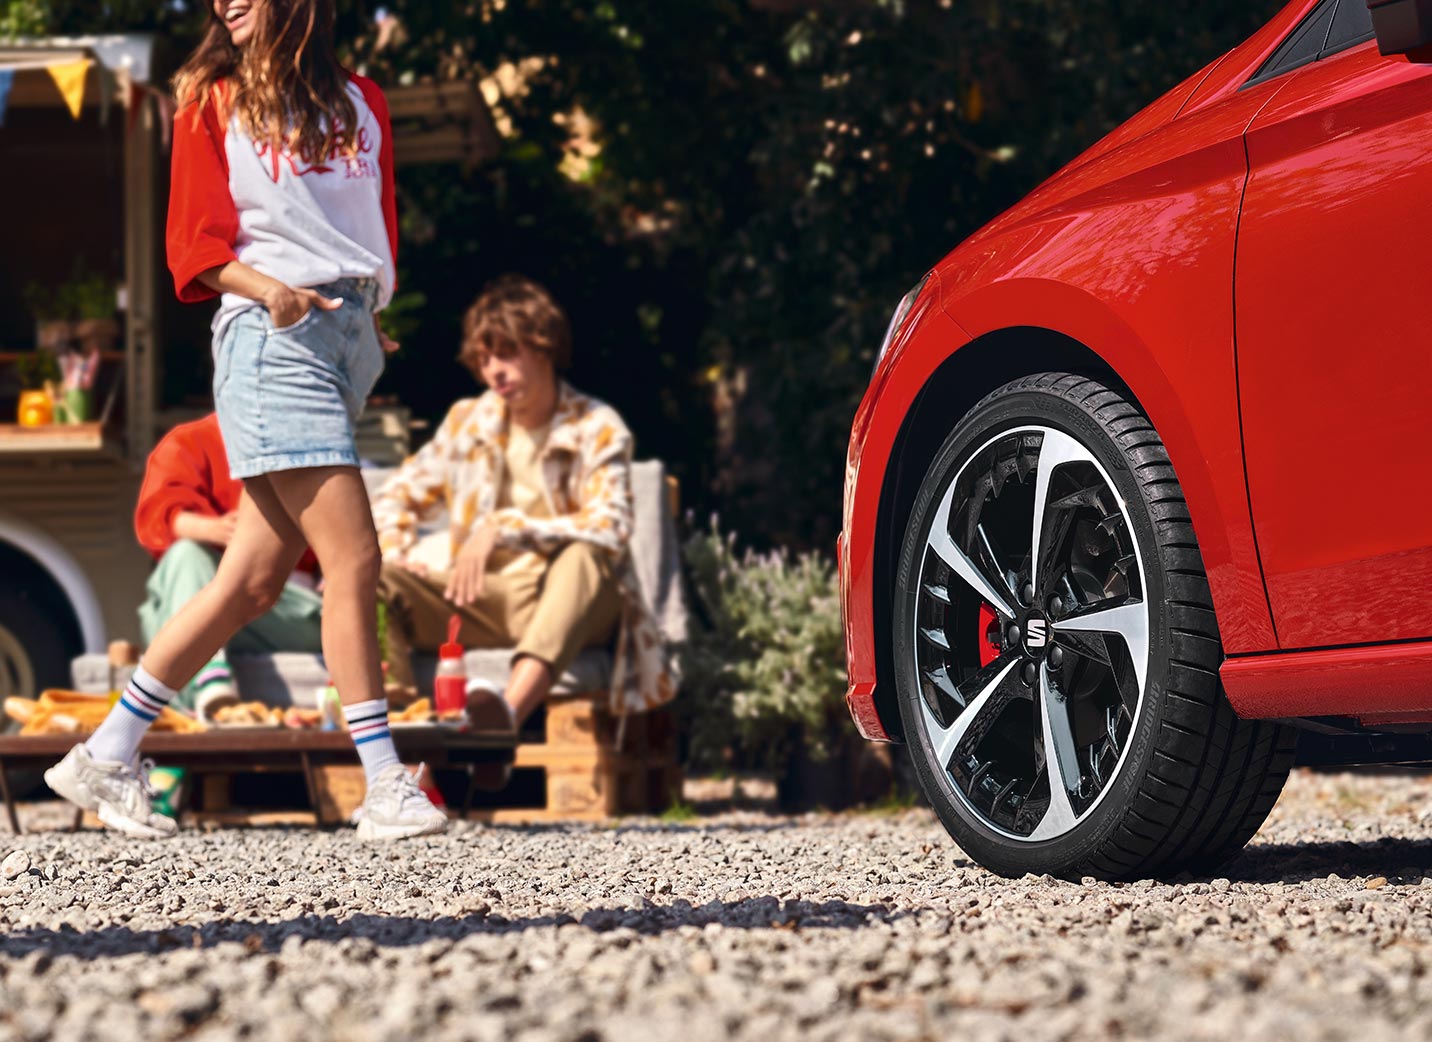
(1036,635)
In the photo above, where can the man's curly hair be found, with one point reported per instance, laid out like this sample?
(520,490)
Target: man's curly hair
(512,311)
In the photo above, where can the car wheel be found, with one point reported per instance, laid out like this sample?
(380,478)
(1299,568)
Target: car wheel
(32,650)
(1056,649)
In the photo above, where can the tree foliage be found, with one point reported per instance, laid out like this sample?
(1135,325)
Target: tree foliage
(772,178)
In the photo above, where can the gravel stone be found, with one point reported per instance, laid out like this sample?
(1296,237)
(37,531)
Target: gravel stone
(743,926)
(16,864)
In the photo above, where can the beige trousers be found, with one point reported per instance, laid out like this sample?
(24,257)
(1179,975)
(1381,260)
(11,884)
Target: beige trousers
(550,615)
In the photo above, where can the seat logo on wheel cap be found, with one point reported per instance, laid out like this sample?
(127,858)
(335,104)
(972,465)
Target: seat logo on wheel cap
(1036,633)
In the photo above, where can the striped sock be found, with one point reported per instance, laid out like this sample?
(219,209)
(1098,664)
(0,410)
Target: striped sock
(368,724)
(118,736)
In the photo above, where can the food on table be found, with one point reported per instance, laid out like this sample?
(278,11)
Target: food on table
(248,714)
(420,712)
(72,712)
(303,719)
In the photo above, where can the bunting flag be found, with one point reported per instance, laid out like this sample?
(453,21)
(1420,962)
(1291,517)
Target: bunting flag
(7,78)
(69,77)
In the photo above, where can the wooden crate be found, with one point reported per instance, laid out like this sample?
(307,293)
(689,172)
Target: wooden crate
(593,767)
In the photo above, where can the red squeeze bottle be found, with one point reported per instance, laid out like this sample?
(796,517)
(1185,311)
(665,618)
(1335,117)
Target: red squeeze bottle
(450,687)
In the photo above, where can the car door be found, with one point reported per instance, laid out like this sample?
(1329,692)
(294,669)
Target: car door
(1334,340)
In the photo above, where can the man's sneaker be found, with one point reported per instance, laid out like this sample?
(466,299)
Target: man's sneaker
(117,792)
(395,808)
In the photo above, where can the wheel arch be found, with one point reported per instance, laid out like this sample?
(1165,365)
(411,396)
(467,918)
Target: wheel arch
(961,380)
(38,564)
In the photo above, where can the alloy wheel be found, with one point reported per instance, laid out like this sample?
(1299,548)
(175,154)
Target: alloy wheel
(1031,633)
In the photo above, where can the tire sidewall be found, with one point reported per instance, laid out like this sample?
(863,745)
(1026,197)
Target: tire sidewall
(1014,406)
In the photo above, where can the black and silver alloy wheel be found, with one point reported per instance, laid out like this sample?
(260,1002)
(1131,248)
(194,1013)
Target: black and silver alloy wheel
(1033,739)
(1056,651)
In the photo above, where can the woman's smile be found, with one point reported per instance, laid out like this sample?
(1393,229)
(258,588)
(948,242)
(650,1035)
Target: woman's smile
(239,16)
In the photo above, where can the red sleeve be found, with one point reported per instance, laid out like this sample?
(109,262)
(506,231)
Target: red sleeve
(178,477)
(203,223)
(373,95)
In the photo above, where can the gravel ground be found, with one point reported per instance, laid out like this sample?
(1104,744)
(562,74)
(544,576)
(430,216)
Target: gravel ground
(859,926)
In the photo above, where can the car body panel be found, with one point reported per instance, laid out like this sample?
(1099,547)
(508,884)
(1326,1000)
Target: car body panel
(1132,256)
(1033,267)
(1335,252)
(1247,58)
(1132,251)
(1377,686)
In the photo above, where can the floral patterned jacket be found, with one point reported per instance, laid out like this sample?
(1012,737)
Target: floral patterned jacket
(586,468)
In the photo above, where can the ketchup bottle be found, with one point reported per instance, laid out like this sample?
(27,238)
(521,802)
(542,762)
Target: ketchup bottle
(450,687)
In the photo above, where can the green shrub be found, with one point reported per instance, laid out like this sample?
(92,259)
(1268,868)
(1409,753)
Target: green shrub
(763,671)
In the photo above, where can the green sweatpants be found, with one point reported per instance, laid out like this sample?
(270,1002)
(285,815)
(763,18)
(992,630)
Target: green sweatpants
(187,567)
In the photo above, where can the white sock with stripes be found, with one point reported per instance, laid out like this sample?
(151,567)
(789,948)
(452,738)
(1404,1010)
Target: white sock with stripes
(118,736)
(368,724)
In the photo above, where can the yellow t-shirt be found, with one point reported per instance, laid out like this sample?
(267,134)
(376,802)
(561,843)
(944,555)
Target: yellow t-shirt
(522,488)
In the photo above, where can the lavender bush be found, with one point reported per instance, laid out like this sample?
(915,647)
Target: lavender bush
(764,668)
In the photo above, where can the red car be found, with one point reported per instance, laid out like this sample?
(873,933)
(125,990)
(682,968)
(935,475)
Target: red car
(1138,505)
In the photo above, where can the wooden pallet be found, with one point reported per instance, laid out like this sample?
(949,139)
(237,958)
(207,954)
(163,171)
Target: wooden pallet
(578,764)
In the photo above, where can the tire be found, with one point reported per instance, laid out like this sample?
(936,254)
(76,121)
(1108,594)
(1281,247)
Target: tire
(33,652)
(1067,718)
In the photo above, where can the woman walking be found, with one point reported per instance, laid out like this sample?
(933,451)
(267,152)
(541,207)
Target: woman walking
(282,205)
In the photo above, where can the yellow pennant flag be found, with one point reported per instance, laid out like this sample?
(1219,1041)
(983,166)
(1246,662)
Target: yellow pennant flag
(69,77)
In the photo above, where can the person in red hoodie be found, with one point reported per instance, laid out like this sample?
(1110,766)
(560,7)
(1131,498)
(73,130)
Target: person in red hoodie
(188,505)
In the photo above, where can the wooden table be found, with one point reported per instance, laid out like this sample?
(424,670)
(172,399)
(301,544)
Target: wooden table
(233,750)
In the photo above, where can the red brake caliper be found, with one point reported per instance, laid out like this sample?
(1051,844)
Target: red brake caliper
(989,639)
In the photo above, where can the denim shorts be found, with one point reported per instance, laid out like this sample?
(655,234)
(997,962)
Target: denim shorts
(289,397)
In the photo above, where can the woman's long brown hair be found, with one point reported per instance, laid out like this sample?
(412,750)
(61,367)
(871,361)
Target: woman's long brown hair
(286,83)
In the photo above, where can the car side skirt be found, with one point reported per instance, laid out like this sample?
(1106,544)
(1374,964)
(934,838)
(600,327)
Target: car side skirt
(1376,685)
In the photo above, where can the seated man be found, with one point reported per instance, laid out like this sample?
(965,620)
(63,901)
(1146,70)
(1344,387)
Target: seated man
(536,480)
(185,518)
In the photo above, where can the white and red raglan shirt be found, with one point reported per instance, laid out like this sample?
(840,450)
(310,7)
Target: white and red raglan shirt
(305,224)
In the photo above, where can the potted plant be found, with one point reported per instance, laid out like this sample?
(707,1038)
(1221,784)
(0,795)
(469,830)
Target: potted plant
(80,310)
(38,372)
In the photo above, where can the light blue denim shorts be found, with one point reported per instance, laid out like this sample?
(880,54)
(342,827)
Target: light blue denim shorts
(289,397)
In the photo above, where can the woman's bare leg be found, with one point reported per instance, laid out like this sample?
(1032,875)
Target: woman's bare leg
(250,579)
(330,507)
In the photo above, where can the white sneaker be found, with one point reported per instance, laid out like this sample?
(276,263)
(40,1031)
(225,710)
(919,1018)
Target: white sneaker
(395,808)
(117,792)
